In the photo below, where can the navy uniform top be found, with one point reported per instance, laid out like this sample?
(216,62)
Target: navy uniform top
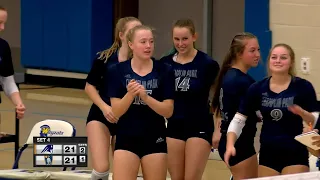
(280,126)
(140,119)
(233,90)
(97,74)
(192,86)
(6,67)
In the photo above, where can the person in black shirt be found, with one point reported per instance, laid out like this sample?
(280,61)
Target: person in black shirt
(285,102)
(7,72)
(231,86)
(190,129)
(101,122)
(141,91)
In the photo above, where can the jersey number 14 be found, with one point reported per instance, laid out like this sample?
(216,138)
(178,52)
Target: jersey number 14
(183,85)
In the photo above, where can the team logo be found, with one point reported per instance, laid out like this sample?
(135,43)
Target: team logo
(48,159)
(48,148)
(45,130)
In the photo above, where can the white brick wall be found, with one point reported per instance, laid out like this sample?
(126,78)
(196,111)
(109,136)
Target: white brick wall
(297,23)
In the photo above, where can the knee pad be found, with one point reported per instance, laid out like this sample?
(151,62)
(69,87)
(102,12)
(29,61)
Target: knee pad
(99,176)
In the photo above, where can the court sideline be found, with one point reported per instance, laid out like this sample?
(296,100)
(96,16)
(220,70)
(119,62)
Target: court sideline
(71,105)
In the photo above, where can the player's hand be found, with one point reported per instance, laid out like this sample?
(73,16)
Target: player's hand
(142,92)
(108,114)
(20,109)
(316,139)
(306,129)
(216,138)
(231,151)
(133,88)
(295,109)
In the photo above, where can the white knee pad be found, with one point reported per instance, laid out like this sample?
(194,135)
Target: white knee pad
(99,176)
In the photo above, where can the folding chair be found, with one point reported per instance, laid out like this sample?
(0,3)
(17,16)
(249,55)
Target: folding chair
(37,130)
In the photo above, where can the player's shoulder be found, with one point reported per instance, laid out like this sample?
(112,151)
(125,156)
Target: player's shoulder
(300,81)
(208,61)
(167,59)
(162,66)
(3,43)
(263,83)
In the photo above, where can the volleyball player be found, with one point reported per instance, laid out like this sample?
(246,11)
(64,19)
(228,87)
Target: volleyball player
(101,120)
(231,86)
(285,101)
(190,129)
(7,71)
(141,91)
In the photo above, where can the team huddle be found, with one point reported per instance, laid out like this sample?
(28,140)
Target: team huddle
(157,112)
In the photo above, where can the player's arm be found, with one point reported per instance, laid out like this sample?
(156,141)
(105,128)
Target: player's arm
(213,72)
(7,77)
(93,81)
(235,128)
(10,89)
(248,105)
(121,105)
(165,107)
(308,110)
(217,120)
(120,97)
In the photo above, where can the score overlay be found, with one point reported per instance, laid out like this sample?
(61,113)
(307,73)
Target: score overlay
(60,152)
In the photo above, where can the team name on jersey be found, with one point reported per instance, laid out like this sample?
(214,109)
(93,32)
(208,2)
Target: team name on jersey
(186,73)
(277,102)
(149,84)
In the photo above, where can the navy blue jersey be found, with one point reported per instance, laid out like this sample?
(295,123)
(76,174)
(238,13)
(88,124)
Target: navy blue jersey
(233,90)
(97,74)
(140,119)
(6,66)
(279,124)
(192,86)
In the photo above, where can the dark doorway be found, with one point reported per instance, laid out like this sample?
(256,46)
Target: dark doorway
(123,8)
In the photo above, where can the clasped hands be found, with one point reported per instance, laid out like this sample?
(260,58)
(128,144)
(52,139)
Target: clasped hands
(136,89)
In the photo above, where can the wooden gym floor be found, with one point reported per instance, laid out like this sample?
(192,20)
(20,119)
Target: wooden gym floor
(60,103)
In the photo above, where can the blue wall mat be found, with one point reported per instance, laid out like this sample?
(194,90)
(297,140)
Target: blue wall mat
(31,33)
(55,37)
(257,22)
(79,35)
(102,31)
(65,35)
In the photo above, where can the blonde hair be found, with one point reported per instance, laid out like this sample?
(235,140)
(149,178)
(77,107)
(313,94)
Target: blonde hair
(292,69)
(131,33)
(120,27)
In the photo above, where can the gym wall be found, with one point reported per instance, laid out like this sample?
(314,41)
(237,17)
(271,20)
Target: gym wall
(296,22)
(47,44)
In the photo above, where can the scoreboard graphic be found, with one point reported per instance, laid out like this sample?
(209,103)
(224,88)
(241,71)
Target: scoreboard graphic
(60,152)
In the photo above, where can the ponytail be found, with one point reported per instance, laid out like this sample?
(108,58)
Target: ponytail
(226,65)
(236,48)
(104,55)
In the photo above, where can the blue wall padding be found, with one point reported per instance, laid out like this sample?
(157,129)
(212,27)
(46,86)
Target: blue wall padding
(64,35)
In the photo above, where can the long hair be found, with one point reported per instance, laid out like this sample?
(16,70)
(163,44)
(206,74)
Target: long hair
(120,27)
(236,48)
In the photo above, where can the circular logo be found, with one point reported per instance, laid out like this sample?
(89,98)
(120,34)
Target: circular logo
(276,114)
